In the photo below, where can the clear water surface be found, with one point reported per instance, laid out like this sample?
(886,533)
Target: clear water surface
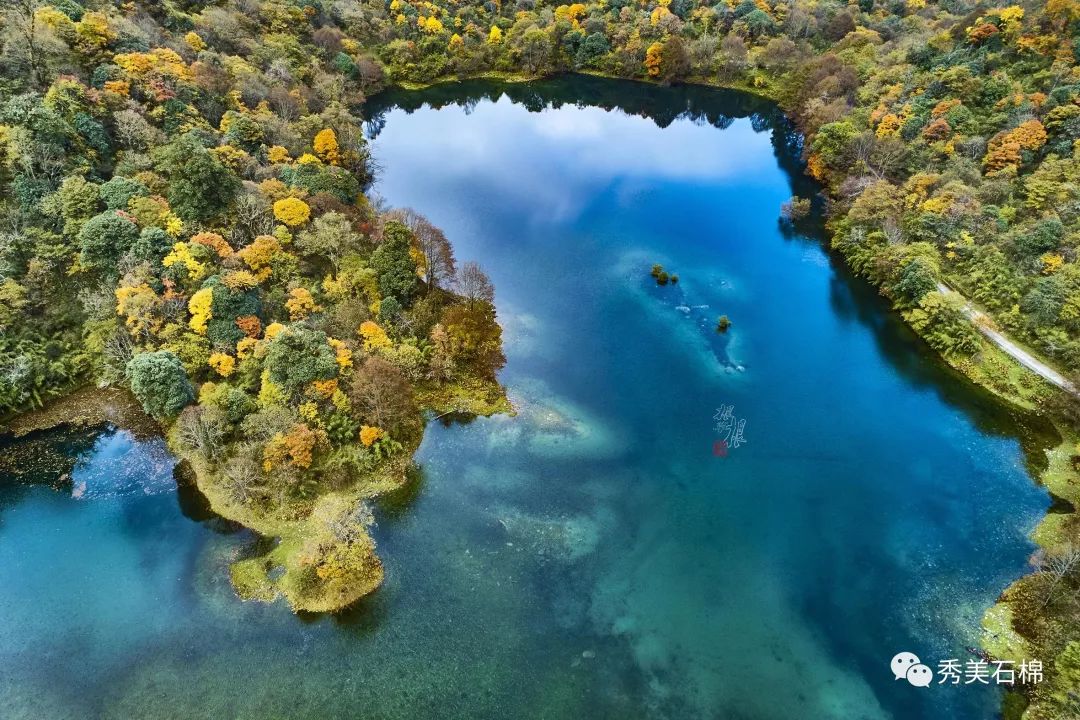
(598,555)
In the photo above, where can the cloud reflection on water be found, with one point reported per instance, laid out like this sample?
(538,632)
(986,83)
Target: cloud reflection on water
(572,144)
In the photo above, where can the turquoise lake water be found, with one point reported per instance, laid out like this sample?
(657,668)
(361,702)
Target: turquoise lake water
(598,555)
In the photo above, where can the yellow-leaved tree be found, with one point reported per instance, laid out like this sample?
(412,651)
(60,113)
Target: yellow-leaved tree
(222,363)
(369,434)
(301,304)
(292,211)
(374,336)
(278,154)
(326,146)
(653,58)
(199,305)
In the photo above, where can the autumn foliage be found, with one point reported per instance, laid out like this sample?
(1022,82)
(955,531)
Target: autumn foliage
(292,211)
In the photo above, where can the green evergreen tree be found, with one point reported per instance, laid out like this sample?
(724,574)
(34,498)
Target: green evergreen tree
(159,383)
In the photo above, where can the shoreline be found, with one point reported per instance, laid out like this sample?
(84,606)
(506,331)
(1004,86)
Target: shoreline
(254,576)
(517,78)
(112,405)
(85,406)
(990,370)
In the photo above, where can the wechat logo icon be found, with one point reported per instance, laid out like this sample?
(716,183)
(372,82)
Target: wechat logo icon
(907,666)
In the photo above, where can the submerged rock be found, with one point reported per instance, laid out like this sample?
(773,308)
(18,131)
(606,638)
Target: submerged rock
(565,539)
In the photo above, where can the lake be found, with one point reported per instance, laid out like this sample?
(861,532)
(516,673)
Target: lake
(676,524)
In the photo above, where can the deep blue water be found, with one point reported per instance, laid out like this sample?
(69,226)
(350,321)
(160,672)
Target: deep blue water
(592,556)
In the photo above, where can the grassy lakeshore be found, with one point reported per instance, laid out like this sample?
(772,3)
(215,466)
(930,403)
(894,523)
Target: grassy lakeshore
(1037,616)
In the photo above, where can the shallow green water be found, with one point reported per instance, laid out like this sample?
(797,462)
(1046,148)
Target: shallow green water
(593,556)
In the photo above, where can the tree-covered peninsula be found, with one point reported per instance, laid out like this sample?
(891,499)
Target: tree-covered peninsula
(184,215)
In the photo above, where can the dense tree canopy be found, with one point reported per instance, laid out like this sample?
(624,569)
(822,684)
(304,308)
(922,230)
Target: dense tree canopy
(394,263)
(159,382)
(182,195)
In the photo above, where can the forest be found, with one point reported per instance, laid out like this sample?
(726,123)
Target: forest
(185,214)
(943,132)
(191,223)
